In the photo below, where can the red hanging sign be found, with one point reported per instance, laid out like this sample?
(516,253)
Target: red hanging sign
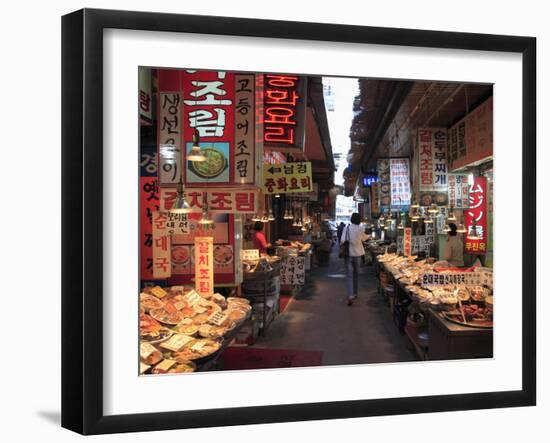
(475,218)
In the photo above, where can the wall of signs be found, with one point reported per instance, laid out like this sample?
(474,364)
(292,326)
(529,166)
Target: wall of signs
(475,218)
(284,111)
(471,139)
(400,183)
(285,178)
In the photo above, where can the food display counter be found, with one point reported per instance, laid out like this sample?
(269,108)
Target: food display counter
(446,313)
(182,331)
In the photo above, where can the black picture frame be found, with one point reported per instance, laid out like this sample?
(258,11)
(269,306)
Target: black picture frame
(82,215)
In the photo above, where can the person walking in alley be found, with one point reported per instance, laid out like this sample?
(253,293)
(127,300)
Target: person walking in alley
(339,231)
(355,235)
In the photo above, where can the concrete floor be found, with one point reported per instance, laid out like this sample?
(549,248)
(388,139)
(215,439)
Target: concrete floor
(318,319)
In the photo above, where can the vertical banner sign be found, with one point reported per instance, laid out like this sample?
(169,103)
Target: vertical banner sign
(162,266)
(407,241)
(145,98)
(284,111)
(204,266)
(459,191)
(383,168)
(209,99)
(169,129)
(149,203)
(293,270)
(400,183)
(432,158)
(245,155)
(477,213)
(284,178)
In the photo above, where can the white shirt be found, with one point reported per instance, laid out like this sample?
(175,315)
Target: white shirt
(356,237)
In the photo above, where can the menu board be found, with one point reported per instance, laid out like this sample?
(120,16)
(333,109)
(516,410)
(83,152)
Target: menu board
(459,191)
(400,183)
(293,270)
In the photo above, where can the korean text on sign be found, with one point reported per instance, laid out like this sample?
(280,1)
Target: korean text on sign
(475,218)
(204,266)
(284,178)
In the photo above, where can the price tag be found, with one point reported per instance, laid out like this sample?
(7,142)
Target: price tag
(146,349)
(218,318)
(164,365)
(179,305)
(250,254)
(192,298)
(198,346)
(176,342)
(157,291)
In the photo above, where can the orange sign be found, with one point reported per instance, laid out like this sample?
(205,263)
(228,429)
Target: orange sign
(204,266)
(162,266)
(407,241)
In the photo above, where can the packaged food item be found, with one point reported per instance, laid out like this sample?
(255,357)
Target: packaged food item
(176,342)
(157,291)
(163,366)
(149,301)
(149,354)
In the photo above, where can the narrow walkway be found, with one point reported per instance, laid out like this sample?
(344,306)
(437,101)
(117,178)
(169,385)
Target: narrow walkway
(318,319)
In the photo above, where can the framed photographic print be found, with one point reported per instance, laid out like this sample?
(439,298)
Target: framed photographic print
(271,221)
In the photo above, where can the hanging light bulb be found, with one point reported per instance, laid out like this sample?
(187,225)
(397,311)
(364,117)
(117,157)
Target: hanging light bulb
(270,217)
(428,220)
(451,217)
(205,218)
(414,204)
(461,228)
(264,218)
(256,218)
(433,209)
(447,228)
(196,154)
(180,205)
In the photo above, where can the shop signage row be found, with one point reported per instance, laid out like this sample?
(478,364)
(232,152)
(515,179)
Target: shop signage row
(478,277)
(285,178)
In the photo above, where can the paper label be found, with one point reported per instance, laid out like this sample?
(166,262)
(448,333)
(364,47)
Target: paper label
(218,318)
(176,342)
(146,349)
(192,298)
(157,291)
(198,346)
(164,365)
